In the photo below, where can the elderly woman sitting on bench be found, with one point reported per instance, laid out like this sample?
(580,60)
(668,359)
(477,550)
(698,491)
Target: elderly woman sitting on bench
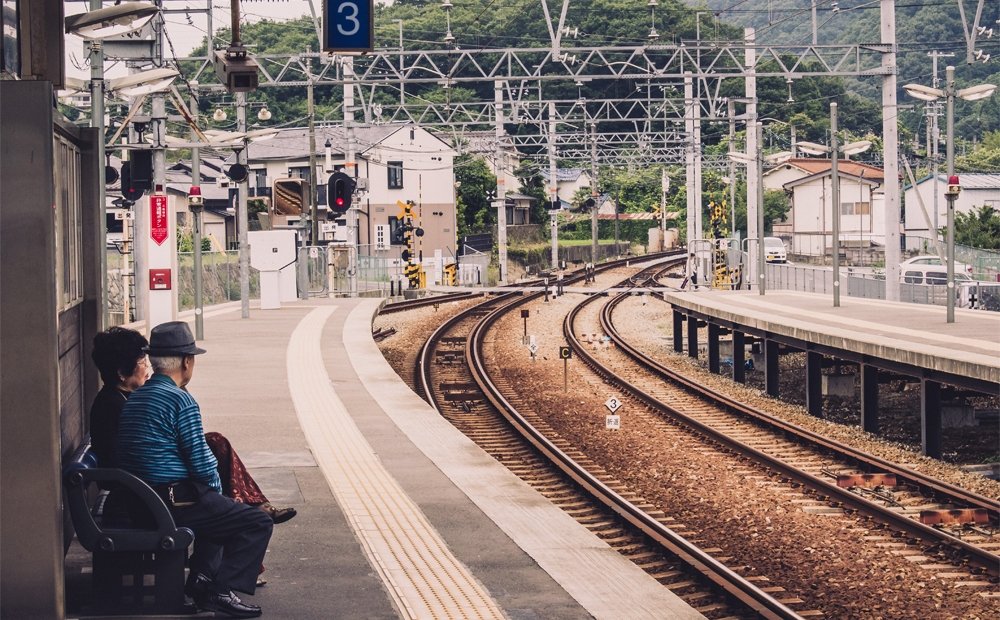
(120,358)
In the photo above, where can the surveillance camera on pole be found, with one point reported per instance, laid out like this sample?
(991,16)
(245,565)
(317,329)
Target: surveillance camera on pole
(236,69)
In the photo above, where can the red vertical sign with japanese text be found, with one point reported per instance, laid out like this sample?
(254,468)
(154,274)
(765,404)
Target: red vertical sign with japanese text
(158,223)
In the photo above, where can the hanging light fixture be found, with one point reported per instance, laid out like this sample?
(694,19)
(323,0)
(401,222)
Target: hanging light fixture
(219,115)
(264,114)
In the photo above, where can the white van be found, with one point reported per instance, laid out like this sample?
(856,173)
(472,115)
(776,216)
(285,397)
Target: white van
(774,250)
(930,270)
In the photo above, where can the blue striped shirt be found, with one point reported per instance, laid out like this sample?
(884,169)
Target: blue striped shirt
(160,437)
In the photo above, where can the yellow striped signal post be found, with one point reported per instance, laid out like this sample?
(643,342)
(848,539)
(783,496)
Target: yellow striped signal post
(411,270)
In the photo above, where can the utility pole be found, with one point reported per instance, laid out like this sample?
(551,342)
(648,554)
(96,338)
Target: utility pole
(97,121)
(835,207)
(934,111)
(353,235)
(664,188)
(890,137)
(815,26)
(755,215)
(761,279)
(313,193)
(553,186)
(696,155)
(689,172)
(501,203)
(949,79)
(242,219)
(158,231)
(593,193)
(196,211)
(731,110)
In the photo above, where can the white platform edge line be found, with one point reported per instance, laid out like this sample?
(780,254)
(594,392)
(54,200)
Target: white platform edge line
(575,558)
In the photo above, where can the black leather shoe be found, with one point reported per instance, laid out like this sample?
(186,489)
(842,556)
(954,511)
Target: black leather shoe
(229,604)
(278,515)
(197,586)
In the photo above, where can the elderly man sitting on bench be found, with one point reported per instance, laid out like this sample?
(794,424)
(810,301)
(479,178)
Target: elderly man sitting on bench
(161,441)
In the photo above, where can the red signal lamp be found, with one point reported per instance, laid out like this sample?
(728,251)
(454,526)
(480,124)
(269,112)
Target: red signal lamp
(194,196)
(954,187)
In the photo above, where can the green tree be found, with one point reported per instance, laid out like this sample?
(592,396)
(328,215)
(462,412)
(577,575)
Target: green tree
(979,228)
(532,184)
(475,183)
(185,241)
(985,157)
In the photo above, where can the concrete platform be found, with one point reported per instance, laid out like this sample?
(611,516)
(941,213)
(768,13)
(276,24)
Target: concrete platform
(400,516)
(911,334)
(911,340)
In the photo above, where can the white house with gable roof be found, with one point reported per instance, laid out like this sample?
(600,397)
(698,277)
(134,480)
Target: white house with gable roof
(808,227)
(400,162)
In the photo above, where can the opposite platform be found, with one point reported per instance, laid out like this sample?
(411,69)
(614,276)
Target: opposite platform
(400,515)
(915,335)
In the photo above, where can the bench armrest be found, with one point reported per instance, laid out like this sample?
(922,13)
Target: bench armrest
(94,537)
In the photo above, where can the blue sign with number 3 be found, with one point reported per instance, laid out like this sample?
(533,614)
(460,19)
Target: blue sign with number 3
(348,25)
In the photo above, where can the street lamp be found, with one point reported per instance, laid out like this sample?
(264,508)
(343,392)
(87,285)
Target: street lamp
(851,148)
(111,21)
(972,93)
(143,83)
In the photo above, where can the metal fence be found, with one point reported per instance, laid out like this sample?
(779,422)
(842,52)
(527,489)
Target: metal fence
(220,279)
(985,263)
(854,283)
(798,278)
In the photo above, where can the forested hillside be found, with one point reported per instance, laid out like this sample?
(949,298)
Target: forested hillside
(922,26)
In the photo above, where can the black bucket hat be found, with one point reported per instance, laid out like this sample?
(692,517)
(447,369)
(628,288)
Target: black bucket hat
(172,339)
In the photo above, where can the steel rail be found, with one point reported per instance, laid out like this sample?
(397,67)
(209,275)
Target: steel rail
(410,304)
(711,569)
(981,558)
(421,371)
(858,457)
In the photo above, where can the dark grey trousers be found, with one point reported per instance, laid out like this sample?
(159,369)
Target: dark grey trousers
(230,539)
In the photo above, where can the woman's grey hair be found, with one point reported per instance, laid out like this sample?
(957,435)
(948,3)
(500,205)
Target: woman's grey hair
(165,364)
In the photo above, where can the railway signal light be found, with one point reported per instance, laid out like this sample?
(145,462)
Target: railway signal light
(130,191)
(340,189)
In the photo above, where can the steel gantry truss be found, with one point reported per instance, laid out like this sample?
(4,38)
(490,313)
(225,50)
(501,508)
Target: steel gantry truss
(653,75)
(529,74)
(630,90)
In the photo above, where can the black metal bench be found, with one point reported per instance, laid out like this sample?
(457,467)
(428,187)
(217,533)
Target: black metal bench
(136,569)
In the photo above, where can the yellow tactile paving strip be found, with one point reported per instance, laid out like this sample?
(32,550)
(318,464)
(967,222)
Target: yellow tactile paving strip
(600,579)
(421,574)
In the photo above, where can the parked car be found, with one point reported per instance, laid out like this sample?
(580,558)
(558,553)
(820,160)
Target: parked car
(930,270)
(774,250)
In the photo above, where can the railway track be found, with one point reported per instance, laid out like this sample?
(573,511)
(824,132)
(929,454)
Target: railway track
(953,522)
(453,376)
(411,304)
